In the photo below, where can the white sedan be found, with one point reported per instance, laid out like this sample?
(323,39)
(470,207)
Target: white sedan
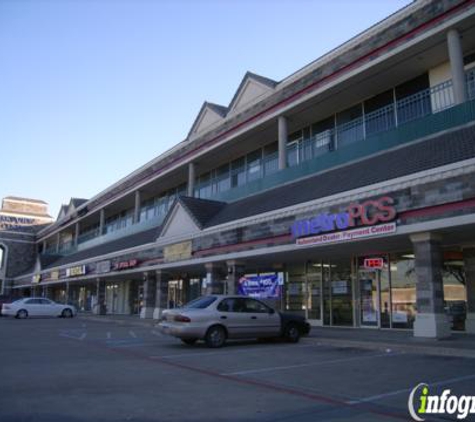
(37,306)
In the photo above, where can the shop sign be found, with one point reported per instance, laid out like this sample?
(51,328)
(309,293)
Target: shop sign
(261,286)
(177,252)
(14,223)
(36,278)
(103,267)
(76,271)
(373,263)
(125,265)
(54,275)
(368,213)
(360,233)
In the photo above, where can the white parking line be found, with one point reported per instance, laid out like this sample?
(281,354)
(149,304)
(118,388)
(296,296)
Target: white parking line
(225,352)
(407,390)
(83,336)
(132,334)
(157,333)
(108,334)
(304,365)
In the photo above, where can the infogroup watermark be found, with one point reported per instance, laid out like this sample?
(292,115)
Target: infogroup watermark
(422,404)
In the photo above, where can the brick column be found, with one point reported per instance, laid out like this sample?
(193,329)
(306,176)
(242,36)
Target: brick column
(149,293)
(100,308)
(469,264)
(214,279)
(235,271)
(161,293)
(431,320)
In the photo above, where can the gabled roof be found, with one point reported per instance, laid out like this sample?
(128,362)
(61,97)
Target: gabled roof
(74,203)
(251,87)
(209,114)
(189,215)
(201,210)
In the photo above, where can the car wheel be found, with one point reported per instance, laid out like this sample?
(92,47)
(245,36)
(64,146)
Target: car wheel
(292,333)
(189,341)
(67,313)
(22,314)
(215,337)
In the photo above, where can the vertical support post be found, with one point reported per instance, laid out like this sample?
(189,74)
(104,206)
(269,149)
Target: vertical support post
(235,271)
(214,279)
(431,320)
(100,308)
(161,295)
(57,243)
(283,134)
(102,221)
(149,295)
(76,234)
(191,179)
(456,66)
(469,265)
(137,207)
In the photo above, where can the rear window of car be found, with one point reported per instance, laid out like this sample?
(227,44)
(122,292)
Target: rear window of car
(201,302)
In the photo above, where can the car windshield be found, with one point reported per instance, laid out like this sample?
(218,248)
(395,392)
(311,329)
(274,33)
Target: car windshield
(201,302)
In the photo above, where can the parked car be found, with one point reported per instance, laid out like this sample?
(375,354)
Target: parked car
(217,318)
(37,306)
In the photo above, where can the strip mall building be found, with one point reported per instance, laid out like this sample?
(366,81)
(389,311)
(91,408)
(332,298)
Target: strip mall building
(345,191)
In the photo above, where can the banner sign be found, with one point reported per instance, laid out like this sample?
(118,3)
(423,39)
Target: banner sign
(261,286)
(177,252)
(347,235)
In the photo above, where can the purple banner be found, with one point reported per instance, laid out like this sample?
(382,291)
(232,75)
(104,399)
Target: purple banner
(262,286)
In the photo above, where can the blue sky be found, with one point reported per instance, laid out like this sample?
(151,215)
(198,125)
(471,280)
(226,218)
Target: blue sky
(90,90)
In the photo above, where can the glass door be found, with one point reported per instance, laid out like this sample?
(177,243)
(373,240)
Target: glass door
(369,285)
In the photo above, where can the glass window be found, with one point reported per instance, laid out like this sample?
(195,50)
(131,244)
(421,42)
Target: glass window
(403,290)
(254,165)
(227,305)
(201,302)
(238,172)
(350,125)
(252,305)
(2,254)
(455,294)
(379,112)
(222,181)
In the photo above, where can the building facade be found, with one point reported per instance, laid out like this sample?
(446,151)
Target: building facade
(345,193)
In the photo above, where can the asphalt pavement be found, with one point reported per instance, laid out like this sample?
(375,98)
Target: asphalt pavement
(101,369)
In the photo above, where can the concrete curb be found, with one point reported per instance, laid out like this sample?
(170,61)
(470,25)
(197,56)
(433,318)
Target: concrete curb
(394,347)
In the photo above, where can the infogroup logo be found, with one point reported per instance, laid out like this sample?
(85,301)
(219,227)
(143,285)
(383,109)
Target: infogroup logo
(421,404)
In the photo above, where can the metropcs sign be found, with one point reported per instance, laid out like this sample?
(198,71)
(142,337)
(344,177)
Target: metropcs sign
(370,218)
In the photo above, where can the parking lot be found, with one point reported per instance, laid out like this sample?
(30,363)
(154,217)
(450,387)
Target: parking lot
(82,370)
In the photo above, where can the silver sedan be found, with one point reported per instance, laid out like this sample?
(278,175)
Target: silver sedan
(37,307)
(219,317)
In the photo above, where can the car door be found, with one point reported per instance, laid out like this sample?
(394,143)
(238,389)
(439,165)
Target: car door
(33,307)
(264,320)
(233,315)
(48,308)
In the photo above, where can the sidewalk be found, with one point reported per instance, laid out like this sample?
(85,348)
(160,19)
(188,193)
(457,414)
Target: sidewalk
(458,345)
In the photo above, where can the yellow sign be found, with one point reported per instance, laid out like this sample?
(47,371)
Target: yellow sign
(54,275)
(75,271)
(36,278)
(177,252)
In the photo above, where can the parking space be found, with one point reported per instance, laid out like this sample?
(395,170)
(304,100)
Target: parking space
(54,369)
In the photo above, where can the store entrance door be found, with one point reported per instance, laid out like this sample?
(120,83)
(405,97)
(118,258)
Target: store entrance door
(337,293)
(370,303)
